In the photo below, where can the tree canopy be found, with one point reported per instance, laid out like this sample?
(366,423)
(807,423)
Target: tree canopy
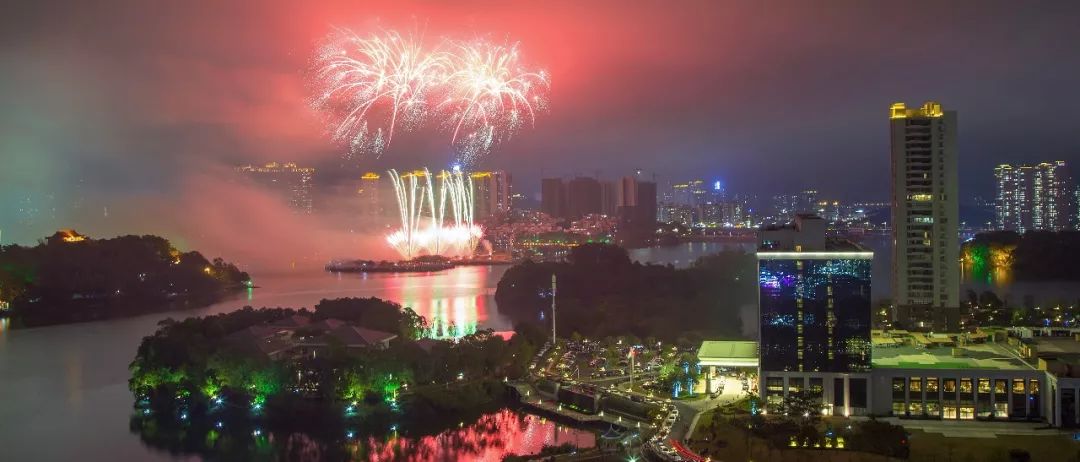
(601,292)
(68,277)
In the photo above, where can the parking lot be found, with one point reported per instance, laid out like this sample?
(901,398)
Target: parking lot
(605,361)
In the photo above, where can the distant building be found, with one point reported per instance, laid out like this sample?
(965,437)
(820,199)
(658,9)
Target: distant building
(626,195)
(608,198)
(646,202)
(584,197)
(291,181)
(636,209)
(553,197)
(371,201)
(1033,197)
(925,217)
(786,206)
(492,191)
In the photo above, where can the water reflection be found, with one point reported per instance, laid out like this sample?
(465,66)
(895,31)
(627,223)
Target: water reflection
(454,309)
(988,263)
(456,302)
(492,436)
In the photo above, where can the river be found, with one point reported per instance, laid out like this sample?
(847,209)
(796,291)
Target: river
(63,389)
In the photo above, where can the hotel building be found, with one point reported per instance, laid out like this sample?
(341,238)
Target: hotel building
(814,315)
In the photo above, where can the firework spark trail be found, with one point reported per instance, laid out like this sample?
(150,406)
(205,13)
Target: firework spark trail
(381,80)
(372,86)
(448,234)
(490,93)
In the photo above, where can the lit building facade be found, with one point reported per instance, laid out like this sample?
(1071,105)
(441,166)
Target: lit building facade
(786,206)
(292,181)
(1033,197)
(814,314)
(492,191)
(925,216)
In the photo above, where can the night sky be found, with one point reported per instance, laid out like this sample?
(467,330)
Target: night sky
(141,107)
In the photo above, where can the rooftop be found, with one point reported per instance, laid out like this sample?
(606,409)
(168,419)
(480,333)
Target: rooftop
(904,350)
(843,247)
(1056,346)
(914,350)
(729,353)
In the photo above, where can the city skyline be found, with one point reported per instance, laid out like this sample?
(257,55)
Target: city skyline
(563,230)
(155,114)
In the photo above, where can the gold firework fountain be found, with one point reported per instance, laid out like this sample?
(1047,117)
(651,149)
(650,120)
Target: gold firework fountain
(436,214)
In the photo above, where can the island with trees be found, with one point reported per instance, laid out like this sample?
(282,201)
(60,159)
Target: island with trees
(68,277)
(602,293)
(350,367)
(1032,256)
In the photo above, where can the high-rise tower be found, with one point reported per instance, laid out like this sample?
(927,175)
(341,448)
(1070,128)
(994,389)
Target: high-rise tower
(925,216)
(1033,197)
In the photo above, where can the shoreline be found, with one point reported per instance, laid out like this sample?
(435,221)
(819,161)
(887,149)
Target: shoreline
(124,309)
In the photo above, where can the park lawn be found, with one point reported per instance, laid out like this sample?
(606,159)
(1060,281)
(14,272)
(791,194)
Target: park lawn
(934,447)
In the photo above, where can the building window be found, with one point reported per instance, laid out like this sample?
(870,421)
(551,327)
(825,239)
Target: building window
(965,385)
(949,412)
(916,385)
(967,413)
(917,408)
(933,409)
(858,393)
(898,408)
(1018,386)
(1033,385)
(932,385)
(898,385)
(1001,409)
(950,385)
(984,385)
(999,386)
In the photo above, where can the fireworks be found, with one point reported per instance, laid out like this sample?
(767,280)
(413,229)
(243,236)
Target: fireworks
(490,95)
(376,84)
(434,222)
(373,86)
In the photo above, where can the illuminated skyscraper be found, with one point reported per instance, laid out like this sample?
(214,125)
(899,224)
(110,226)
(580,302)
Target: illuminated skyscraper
(370,197)
(925,216)
(492,193)
(814,308)
(1033,197)
(291,181)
